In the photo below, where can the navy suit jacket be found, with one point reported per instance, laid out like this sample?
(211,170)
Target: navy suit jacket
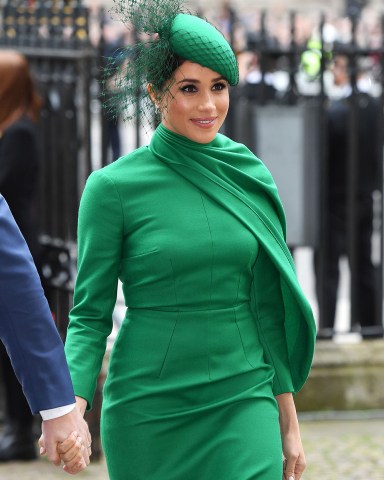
(26,325)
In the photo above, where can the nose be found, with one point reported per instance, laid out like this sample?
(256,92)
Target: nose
(207,103)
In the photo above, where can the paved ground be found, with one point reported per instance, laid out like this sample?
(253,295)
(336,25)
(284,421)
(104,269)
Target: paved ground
(344,448)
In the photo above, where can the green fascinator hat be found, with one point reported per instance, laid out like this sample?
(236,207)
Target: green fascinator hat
(194,39)
(165,34)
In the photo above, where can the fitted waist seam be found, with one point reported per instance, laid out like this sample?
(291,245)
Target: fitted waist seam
(184,310)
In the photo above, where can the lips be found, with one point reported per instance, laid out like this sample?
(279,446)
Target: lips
(204,122)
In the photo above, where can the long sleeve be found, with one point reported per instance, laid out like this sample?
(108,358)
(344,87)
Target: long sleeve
(26,325)
(100,236)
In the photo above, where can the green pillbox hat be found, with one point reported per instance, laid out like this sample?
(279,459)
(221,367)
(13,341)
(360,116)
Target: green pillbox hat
(196,40)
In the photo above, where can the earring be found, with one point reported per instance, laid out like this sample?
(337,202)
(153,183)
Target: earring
(157,109)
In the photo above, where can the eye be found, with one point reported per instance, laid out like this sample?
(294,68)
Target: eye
(219,86)
(189,88)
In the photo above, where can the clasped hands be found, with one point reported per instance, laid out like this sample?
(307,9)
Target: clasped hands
(67,439)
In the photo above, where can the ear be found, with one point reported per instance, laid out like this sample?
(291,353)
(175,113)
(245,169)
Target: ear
(153,95)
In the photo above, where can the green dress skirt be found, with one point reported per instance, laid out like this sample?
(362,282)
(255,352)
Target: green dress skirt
(188,394)
(190,388)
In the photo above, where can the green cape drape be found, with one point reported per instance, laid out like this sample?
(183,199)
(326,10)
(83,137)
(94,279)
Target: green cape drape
(236,179)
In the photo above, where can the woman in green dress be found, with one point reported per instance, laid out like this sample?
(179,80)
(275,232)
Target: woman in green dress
(217,335)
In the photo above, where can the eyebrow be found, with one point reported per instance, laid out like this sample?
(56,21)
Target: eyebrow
(194,80)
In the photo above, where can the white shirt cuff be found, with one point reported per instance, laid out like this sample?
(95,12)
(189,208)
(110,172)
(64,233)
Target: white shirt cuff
(56,412)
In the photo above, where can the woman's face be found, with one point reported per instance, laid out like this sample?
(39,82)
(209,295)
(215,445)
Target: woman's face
(196,103)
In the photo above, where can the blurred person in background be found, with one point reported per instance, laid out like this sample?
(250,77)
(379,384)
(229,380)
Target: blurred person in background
(19,173)
(112,42)
(369,175)
(257,85)
(109,37)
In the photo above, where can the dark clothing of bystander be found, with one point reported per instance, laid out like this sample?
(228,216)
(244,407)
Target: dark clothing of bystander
(337,237)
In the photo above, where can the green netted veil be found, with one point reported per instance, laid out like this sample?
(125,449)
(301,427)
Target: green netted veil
(164,30)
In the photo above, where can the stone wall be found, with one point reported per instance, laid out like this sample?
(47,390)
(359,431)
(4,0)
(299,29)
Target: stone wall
(345,377)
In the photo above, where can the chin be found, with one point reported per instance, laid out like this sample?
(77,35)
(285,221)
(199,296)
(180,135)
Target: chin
(203,137)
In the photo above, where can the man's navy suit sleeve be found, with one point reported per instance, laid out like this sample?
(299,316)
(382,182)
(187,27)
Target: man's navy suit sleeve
(26,325)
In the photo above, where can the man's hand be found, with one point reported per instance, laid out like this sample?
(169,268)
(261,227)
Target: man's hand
(67,438)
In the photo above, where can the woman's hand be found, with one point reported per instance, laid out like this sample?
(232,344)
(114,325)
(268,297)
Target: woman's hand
(71,452)
(81,404)
(294,463)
